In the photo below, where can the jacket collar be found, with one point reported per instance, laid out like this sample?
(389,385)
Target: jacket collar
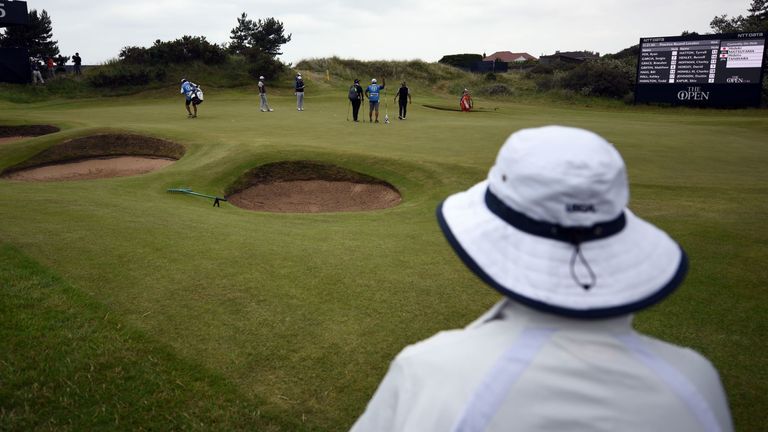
(514,312)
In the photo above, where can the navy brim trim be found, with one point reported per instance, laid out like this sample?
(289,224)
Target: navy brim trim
(598,313)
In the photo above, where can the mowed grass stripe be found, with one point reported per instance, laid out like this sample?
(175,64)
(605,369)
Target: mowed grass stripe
(67,363)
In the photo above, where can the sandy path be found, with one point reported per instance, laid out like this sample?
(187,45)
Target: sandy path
(315,196)
(95,168)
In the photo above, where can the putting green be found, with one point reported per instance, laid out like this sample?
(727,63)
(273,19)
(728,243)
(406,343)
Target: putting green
(299,314)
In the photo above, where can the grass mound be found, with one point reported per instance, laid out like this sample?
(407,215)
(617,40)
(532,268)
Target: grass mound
(413,70)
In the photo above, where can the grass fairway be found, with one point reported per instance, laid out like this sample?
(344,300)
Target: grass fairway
(126,306)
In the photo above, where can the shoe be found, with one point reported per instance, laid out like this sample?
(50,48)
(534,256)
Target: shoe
(376,121)
(194,116)
(270,110)
(263,110)
(403,118)
(298,109)
(399,118)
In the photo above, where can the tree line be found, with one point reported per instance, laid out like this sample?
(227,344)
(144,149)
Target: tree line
(259,42)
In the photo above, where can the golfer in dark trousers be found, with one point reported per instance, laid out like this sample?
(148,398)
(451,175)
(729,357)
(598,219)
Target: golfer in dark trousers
(356,98)
(404,96)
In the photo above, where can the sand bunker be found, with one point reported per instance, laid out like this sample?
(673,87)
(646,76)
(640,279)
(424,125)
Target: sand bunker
(10,134)
(97,156)
(311,187)
(95,168)
(27,130)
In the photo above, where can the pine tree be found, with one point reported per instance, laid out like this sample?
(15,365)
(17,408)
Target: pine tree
(240,35)
(267,36)
(756,21)
(758,15)
(36,36)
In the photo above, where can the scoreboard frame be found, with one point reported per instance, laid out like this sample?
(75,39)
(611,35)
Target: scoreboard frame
(731,93)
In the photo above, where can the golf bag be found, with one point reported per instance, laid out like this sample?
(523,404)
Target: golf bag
(466,103)
(197,96)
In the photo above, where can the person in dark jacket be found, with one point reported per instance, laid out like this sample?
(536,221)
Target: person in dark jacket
(404,97)
(355,98)
(299,93)
(78,61)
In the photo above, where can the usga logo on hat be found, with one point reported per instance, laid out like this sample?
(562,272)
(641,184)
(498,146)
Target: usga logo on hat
(571,208)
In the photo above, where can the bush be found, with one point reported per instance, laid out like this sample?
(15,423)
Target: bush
(464,61)
(765,93)
(496,90)
(539,69)
(551,81)
(490,76)
(184,50)
(600,78)
(125,75)
(261,63)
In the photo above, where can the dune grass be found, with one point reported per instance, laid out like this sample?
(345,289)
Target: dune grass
(288,321)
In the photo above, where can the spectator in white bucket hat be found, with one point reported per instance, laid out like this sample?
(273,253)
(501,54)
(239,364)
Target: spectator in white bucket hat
(550,230)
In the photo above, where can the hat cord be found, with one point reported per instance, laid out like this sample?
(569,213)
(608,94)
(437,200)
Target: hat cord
(573,235)
(577,253)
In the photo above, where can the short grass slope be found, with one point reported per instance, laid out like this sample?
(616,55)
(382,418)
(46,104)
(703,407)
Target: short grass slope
(124,306)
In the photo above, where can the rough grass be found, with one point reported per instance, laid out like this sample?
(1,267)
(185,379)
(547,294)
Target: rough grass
(298,315)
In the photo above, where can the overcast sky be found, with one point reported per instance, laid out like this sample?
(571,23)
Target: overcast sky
(395,29)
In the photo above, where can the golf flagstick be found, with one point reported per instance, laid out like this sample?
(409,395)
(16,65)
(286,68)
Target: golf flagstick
(386,105)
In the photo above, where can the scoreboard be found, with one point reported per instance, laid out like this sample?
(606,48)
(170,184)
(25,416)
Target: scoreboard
(13,13)
(706,70)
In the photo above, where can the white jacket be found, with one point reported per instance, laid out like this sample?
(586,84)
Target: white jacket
(516,369)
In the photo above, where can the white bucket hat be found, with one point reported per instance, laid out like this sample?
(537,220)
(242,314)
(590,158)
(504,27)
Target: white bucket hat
(550,229)
(261,77)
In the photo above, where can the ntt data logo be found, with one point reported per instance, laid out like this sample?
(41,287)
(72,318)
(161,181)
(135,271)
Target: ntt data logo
(693,94)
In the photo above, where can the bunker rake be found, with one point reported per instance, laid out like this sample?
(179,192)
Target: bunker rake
(188,191)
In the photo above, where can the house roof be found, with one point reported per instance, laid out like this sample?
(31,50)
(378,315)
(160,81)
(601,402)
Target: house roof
(508,56)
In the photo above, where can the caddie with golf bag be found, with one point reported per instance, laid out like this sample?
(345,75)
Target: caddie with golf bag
(194,96)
